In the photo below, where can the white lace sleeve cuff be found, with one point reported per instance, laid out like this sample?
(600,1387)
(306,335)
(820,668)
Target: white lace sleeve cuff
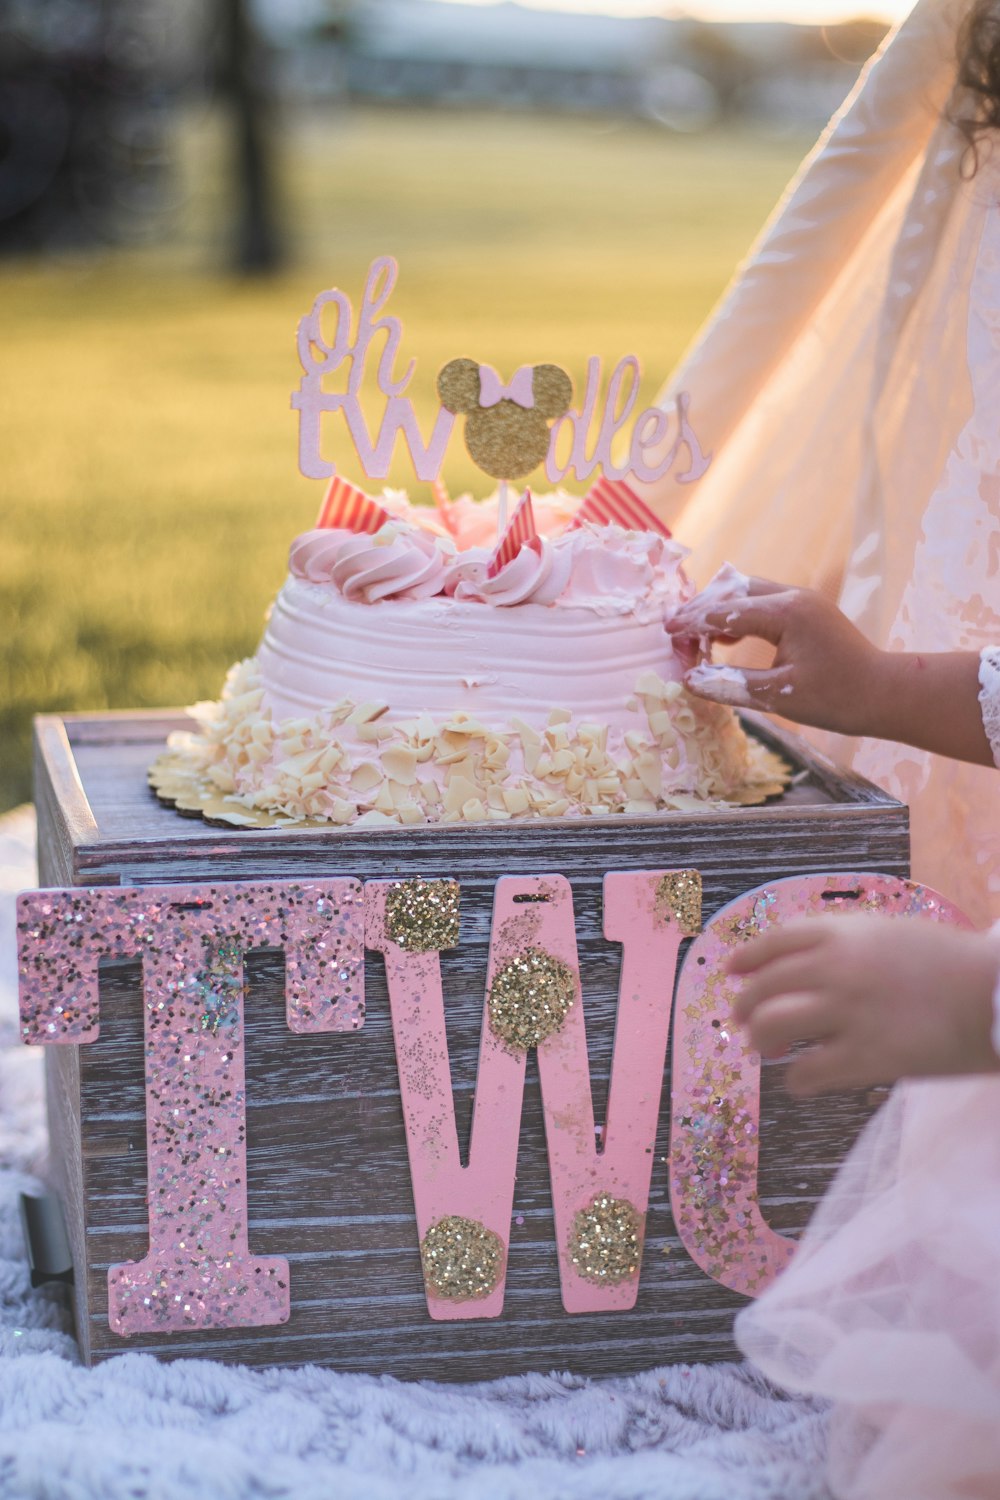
(995,1031)
(989,696)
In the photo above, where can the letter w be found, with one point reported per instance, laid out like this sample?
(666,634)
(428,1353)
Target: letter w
(536,913)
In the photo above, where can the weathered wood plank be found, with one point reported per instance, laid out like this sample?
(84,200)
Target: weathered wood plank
(328,1181)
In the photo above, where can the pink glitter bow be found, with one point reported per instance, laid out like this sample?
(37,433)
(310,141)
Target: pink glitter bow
(492,390)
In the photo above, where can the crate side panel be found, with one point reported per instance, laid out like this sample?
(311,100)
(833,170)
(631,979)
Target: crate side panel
(328,1184)
(328,1181)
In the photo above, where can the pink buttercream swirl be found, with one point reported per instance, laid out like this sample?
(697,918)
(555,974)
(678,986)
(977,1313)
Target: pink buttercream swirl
(537,575)
(398,562)
(313,554)
(606,569)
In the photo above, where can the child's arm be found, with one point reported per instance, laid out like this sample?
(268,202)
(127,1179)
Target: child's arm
(882,998)
(827,674)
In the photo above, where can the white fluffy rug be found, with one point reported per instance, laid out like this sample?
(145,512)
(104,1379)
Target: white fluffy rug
(196,1430)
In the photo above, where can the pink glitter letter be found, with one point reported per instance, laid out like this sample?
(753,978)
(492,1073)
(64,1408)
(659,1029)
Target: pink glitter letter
(715,1105)
(199,1272)
(638,914)
(532,926)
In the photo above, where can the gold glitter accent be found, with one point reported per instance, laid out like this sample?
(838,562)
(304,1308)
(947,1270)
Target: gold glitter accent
(422,915)
(506,441)
(606,1241)
(552,390)
(462,1259)
(530,998)
(678,898)
(458,385)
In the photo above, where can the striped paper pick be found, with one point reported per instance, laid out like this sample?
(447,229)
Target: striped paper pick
(347,508)
(610,501)
(520,529)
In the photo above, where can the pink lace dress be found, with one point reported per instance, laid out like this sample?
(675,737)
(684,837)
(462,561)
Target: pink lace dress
(891,1306)
(848,385)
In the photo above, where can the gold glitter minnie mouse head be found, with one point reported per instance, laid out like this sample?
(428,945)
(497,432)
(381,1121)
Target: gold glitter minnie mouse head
(507,427)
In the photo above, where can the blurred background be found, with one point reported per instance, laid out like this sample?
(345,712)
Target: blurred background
(177,182)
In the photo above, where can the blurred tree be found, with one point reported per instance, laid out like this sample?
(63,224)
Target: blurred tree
(844,41)
(853,41)
(711,52)
(71,87)
(243,79)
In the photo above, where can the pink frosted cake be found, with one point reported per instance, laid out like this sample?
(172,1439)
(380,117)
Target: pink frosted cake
(398,681)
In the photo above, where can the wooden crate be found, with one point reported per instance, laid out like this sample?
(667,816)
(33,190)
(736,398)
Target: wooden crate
(328,1182)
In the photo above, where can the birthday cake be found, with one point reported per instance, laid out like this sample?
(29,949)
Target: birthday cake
(398,681)
(456,663)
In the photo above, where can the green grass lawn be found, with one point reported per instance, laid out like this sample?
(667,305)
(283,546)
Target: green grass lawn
(149,485)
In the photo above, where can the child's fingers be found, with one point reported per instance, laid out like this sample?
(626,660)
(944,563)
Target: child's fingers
(778,1024)
(763,615)
(796,974)
(792,937)
(759,586)
(722,598)
(739,687)
(825,1068)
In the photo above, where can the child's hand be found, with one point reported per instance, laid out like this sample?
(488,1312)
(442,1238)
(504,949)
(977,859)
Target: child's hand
(824,673)
(882,998)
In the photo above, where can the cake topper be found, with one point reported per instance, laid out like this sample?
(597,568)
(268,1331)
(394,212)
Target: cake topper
(510,429)
(507,426)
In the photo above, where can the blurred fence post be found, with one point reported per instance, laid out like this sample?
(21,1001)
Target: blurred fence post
(242,76)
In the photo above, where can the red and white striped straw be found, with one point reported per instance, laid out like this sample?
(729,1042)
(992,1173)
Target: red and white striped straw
(346,508)
(611,501)
(520,530)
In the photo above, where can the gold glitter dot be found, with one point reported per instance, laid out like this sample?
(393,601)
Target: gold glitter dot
(606,1240)
(678,898)
(552,390)
(422,915)
(506,440)
(462,1259)
(530,998)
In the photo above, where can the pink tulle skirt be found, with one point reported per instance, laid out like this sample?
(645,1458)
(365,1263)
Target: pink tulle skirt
(891,1306)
